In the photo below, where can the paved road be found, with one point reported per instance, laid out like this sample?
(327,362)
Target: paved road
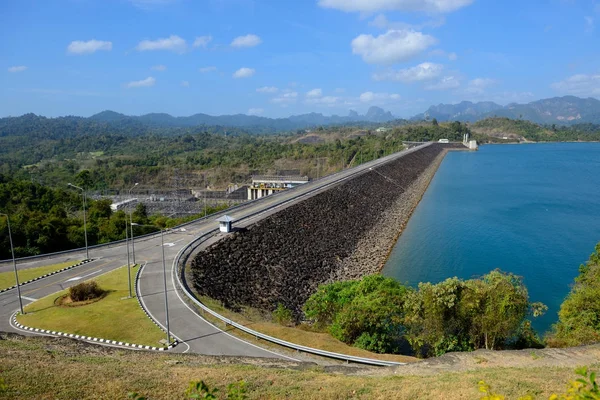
(197,335)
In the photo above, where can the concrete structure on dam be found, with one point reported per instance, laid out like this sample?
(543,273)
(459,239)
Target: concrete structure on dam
(343,233)
(266,185)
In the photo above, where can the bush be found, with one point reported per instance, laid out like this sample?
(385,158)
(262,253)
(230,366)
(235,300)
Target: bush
(579,315)
(282,315)
(85,291)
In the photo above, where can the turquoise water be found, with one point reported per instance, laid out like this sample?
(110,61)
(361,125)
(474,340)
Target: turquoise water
(533,210)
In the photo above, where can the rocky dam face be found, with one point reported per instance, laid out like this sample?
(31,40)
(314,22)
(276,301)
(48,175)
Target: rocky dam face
(343,233)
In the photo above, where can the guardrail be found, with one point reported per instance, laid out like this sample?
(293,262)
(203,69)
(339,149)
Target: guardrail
(382,160)
(178,271)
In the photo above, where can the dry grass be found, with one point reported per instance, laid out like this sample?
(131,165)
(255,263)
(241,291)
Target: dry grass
(256,320)
(114,317)
(7,279)
(35,368)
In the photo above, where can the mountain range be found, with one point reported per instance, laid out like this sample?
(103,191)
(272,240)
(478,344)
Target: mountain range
(556,110)
(565,110)
(374,115)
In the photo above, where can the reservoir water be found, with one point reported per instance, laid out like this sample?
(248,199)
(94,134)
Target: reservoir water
(533,210)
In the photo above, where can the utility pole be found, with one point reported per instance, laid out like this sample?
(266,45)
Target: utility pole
(131,222)
(87,254)
(165,280)
(12,250)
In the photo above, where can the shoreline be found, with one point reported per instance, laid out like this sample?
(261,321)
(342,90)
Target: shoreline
(374,248)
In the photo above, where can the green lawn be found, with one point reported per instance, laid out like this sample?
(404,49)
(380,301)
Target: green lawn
(111,318)
(7,279)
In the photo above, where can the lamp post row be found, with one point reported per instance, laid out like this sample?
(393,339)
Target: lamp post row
(131,225)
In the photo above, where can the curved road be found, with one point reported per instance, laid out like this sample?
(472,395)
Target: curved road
(195,333)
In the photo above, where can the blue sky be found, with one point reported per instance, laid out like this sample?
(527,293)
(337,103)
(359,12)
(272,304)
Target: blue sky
(281,57)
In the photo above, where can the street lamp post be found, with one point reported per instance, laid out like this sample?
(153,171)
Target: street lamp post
(87,254)
(131,222)
(162,242)
(12,249)
(165,279)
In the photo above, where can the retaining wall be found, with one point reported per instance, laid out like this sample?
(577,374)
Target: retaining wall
(343,233)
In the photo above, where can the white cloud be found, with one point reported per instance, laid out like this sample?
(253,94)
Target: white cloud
(452,56)
(392,46)
(447,82)
(441,53)
(368,6)
(159,68)
(17,68)
(255,111)
(423,72)
(329,101)
(314,93)
(579,85)
(246,41)
(149,81)
(172,43)
(89,47)
(288,97)
(267,89)
(589,24)
(370,97)
(185,83)
(204,70)
(244,72)
(478,85)
(202,41)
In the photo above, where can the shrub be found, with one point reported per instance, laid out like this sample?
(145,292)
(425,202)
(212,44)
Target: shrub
(282,315)
(579,315)
(85,291)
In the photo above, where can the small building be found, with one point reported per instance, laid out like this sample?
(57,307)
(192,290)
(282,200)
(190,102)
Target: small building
(225,223)
(381,129)
(444,141)
(266,185)
(122,204)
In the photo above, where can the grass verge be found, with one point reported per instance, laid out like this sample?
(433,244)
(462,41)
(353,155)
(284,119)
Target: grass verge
(298,335)
(7,279)
(40,368)
(115,317)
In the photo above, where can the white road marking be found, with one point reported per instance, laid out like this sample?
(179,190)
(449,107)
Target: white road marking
(169,244)
(28,298)
(84,276)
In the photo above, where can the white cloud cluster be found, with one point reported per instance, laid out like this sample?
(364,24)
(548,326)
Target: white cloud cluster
(244,72)
(392,46)
(368,6)
(255,111)
(267,89)
(579,85)
(381,22)
(445,83)
(371,97)
(205,70)
(89,47)
(202,41)
(423,72)
(149,81)
(478,85)
(249,40)
(173,43)
(285,98)
(17,68)
(314,93)
(159,68)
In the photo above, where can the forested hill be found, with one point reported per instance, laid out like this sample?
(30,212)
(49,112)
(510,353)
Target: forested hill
(110,122)
(566,110)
